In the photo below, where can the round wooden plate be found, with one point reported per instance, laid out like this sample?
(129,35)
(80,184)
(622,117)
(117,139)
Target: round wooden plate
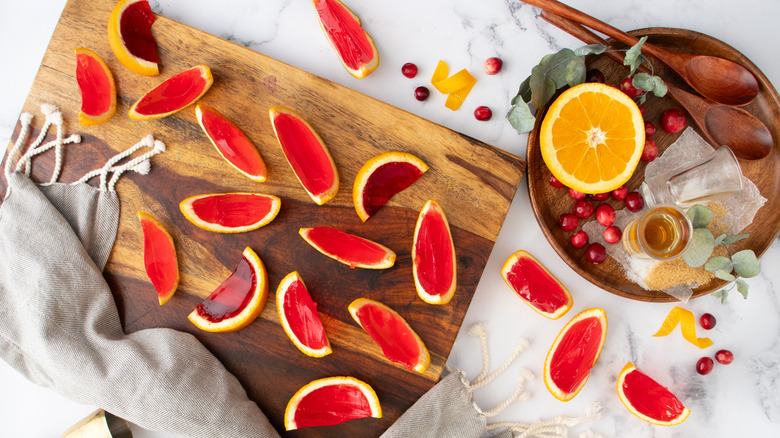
(549,202)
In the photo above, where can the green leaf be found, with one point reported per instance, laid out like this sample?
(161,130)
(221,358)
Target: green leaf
(702,244)
(643,81)
(590,49)
(700,216)
(520,117)
(742,287)
(524,92)
(575,71)
(659,90)
(641,99)
(554,66)
(718,264)
(746,263)
(634,55)
(728,240)
(719,240)
(542,87)
(723,275)
(723,294)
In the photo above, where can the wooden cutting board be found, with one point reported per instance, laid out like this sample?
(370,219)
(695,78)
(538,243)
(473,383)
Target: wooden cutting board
(473,182)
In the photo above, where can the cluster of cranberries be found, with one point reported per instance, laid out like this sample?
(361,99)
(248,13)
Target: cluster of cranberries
(725,357)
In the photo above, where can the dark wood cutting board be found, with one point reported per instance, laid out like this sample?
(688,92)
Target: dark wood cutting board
(473,182)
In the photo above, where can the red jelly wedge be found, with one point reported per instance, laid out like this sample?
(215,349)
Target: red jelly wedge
(433,256)
(299,317)
(382,177)
(648,400)
(400,344)
(231,212)
(535,285)
(130,36)
(231,143)
(330,401)
(307,154)
(354,46)
(176,93)
(96,84)
(349,249)
(160,261)
(237,301)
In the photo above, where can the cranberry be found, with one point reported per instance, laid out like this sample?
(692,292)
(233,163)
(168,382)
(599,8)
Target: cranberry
(707,321)
(672,120)
(649,129)
(483,113)
(492,65)
(634,201)
(568,222)
(594,75)
(579,239)
(583,208)
(612,234)
(596,253)
(628,87)
(605,214)
(704,365)
(554,182)
(642,109)
(575,194)
(421,93)
(650,151)
(724,356)
(599,196)
(409,70)
(619,193)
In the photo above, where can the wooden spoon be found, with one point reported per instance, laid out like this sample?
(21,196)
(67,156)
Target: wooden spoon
(715,78)
(747,136)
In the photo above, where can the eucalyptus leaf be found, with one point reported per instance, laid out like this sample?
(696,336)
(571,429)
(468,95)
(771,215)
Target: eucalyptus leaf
(719,240)
(575,71)
(700,216)
(554,66)
(634,55)
(746,263)
(728,240)
(742,287)
(641,99)
(702,244)
(520,117)
(718,264)
(524,92)
(723,275)
(723,294)
(590,49)
(542,87)
(659,90)
(643,81)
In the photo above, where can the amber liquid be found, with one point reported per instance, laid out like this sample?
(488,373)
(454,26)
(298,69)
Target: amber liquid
(662,234)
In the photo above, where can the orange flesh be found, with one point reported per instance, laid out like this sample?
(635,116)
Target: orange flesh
(231,142)
(330,405)
(434,250)
(136,28)
(159,258)
(301,313)
(232,296)
(576,354)
(393,335)
(306,154)
(232,210)
(94,84)
(346,34)
(387,180)
(650,398)
(174,94)
(346,247)
(536,286)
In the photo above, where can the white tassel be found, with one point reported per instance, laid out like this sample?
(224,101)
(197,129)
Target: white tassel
(143,167)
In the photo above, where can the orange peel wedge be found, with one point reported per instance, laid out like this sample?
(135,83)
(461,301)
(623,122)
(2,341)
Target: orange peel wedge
(457,86)
(687,324)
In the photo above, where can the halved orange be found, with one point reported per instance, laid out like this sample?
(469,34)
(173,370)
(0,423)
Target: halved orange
(329,401)
(399,342)
(592,137)
(130,36)
(648,400)
(97,87)
(231,143)
(574,352)
(299,317)
(174,94)
(352,44)
(352,250)
(236,212)
(160,260)
(434,266)
(237,301)
(382,177)
(536,286)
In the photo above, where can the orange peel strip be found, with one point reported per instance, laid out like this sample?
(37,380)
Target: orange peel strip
(687,326)
(457,86)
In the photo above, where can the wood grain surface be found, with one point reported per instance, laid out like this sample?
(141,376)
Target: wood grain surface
(473,182)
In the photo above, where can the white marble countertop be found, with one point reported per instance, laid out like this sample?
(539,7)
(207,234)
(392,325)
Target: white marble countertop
(741,399)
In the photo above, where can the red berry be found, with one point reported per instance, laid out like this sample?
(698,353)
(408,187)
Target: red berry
(707,321)
(704,365)
(724,356)
(628,87)
(492,65)
(568,222)
(583,208)
(421,93)
(605,214)
(619,193)
(672,120)
(599,196)
(483,113)
(554,182)
(596,253)
(634,201)
(612,234)
(649,129)
(575,194)
(579,239)
(650,151)
(409,70)
(594,75)
(642,109)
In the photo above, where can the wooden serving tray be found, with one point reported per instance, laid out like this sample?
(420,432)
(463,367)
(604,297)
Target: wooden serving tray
(549,203)
(473,182)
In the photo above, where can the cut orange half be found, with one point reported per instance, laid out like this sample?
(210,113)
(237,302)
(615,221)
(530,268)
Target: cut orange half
(352,44)
(399,343)
(329,401)
(648,400)
(176,93)
(574,352)
(306,153)
(536,286)
(592,137)
(97,87)
(299,317)
(130,36)
(354,251)
(160,261)
(433,256)
(231,143)
(382,177)
(237,301)
(231,212)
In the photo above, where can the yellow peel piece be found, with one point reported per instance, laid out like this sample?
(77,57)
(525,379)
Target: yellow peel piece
(457,86)
(687,326)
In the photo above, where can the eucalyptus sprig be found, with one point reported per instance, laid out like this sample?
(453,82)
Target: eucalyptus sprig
(743,263)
